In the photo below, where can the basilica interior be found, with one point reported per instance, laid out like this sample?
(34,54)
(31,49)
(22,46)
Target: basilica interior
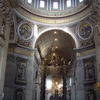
(49,49)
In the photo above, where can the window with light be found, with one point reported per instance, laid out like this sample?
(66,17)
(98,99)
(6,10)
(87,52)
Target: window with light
(55,5)
(70,81)
(42,3)
(80,0)
(29,1)
(48,84)
(68,3)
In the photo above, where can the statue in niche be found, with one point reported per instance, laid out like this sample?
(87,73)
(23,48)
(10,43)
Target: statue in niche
(21,70)
(89,68)
(3,29)
(19,94)
(20,73)
(90,72)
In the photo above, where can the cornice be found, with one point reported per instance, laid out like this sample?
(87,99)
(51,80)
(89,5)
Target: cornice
(21,51)
(53,21)
(86,52)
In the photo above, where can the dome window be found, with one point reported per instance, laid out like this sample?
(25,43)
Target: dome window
(80,0)
(55,5)
(68,3)
(42,3)
(30,1)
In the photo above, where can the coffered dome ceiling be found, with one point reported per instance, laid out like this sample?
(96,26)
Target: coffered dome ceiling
(55,42)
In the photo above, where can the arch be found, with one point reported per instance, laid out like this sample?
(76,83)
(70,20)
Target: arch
(65,29)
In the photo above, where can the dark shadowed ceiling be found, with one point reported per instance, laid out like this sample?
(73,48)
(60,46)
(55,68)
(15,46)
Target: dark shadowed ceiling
(55,41)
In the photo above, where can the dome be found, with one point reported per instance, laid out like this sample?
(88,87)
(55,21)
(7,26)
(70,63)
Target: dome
(54,8)
(54,12)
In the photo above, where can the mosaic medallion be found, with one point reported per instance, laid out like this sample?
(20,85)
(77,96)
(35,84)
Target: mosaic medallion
(25,31)
(85,31)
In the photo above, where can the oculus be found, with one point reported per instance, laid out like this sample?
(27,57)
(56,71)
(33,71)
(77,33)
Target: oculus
(25,30)
(85,31)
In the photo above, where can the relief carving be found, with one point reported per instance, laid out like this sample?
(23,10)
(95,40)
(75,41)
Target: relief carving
(6,11)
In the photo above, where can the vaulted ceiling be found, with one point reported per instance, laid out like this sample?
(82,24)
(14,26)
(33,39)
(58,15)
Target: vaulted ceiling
(55,41)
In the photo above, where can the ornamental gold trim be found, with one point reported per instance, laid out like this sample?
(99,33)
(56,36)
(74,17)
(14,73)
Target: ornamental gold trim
(85,52)
(21,51)
(24,52)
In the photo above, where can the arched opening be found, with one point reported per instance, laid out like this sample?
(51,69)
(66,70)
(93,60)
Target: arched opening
(55,42)
(55,48)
